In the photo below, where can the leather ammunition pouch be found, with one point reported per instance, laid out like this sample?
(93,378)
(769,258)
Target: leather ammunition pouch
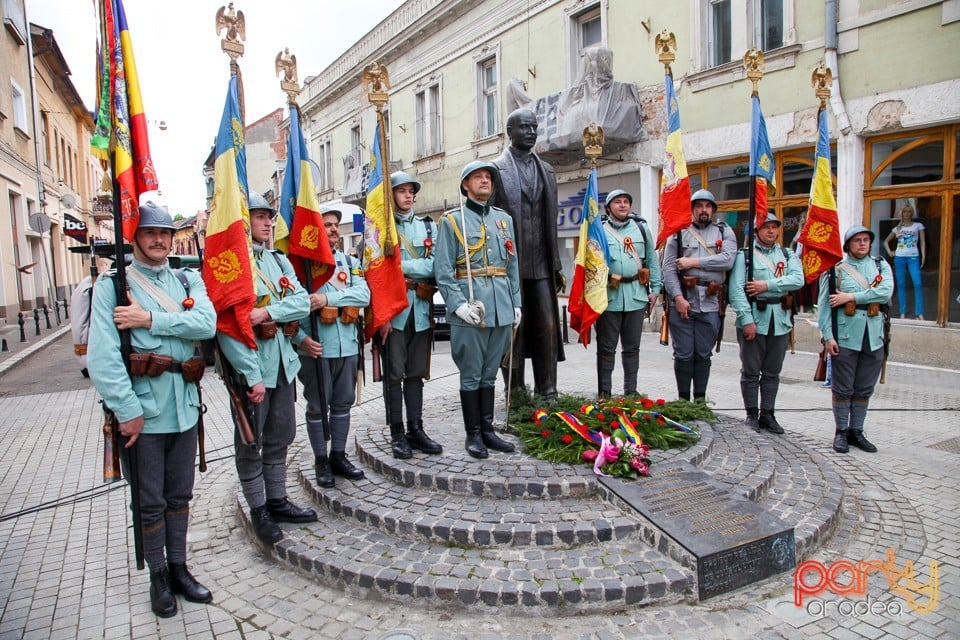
(154,364)
(328,315)
(422,290)
(714,288)
(614,280)
(349,315)
(873,309)
(761,304)
(79,349)
(643,276)
(266,330)
(786,301)
(291,328)
(849,308)
(689,281)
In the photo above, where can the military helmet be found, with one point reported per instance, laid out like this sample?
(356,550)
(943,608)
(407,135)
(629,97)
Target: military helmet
(854,230)
(476,165)
(398,178)
(324,210)
(616,193)
(772,217)
(703,194)
(255,201)
(154,216)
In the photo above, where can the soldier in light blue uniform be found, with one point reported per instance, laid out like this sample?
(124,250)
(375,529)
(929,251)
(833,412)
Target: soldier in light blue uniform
(851,325)
(764,320)
(406,338)
(158,415)
(480,328)
(269,372)
(634,284)
(339,302)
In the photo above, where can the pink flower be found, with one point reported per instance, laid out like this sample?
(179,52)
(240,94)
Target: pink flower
(567,438)
(640,467)
(589,455)
(609,452)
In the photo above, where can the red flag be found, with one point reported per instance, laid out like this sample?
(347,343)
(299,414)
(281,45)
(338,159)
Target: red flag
(228,257)
(381,256)
(820,237)
(762,169)
(674,181)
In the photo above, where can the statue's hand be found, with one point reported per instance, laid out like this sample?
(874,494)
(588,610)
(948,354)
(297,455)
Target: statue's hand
(561,281)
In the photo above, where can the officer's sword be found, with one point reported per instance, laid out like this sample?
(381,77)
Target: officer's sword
(466,253)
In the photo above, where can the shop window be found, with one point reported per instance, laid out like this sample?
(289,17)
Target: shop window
(953,298)
(906,161)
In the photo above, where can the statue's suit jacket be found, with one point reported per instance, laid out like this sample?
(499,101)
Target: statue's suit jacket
(506,196)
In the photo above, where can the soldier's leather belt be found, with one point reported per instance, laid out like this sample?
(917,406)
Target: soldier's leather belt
(786,302)
(79,349)
(154,364)
(422,290)
(483,272)
(872,308)
(347,315)
(266,330)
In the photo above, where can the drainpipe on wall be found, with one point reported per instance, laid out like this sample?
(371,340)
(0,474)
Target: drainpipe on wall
(830,59)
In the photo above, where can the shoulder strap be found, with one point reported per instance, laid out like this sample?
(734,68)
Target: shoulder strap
(182,277)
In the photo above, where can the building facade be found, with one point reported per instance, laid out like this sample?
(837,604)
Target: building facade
(457,68)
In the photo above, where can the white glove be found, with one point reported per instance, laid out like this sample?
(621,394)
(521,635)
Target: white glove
(517,315)
(471,313)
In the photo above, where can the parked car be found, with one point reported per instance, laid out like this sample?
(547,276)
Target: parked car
(441,330)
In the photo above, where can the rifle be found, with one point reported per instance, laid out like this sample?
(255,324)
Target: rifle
(111,446)
(362,366)
(315,335)
(385,354)
(242,411)
(886,343)
(723,313)
(201,444)
(665,323)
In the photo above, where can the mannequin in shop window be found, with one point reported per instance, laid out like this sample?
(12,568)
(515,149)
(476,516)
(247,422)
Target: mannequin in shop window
(908,257)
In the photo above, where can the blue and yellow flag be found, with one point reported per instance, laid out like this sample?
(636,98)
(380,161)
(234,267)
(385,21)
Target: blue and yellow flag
(588,293)
(228,254)
(299,232)
(762,169)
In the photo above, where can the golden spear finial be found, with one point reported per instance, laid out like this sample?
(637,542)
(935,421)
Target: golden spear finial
(666,44)
(593,143)
(822,80)
(753,63)
(376,81)
(236,26)
(286,67)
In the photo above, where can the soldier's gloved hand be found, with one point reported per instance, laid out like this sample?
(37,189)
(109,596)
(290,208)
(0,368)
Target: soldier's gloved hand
(472,314)
(561,282)
(517,316)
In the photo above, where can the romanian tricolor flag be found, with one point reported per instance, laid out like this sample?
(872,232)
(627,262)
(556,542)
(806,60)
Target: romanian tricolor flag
(381,256)
(820,236)
(762,170)
(674,182)
(299,232)
(121,125)
(228,255)
(588,293)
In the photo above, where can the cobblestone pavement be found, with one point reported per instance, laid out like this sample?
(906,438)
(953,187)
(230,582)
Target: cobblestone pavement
(66,566)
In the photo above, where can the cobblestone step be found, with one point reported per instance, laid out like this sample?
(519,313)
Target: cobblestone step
(590,578)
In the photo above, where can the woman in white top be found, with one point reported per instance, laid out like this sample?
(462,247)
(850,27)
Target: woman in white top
(910,253)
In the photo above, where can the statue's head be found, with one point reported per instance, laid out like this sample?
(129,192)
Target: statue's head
(522,129)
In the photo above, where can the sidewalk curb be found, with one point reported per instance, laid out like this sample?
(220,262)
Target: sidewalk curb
(20,356)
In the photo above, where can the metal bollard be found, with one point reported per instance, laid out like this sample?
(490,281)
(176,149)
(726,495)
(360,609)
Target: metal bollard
(66,309)
(36,319)
(566,334)
(3,345)
(46,314)
(20,321)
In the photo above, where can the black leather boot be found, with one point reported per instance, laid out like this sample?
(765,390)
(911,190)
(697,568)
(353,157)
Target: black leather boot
(398,442)
(490,438)
(769,422)
(264,526)
(343,467)
(184,583)
(283,510)
(470,405)
(840,442)
(857,439)
(753,418)
(419,440)
(162,600)
(321,464)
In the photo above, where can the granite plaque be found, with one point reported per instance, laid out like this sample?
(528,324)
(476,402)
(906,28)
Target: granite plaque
(734,541)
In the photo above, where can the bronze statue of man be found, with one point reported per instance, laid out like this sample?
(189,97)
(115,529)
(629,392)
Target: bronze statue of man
(527,190)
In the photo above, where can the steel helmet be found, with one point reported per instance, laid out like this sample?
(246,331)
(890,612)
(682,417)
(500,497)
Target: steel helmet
(255,201)
(324,210)
(476,165)
(616,193)
(852,231)
(772,217)
(703,194)
(398,178)
(154,216)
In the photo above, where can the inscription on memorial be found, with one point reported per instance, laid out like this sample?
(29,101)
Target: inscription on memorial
(734,541)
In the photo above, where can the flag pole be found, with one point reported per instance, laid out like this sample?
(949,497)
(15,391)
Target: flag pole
(753,63)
